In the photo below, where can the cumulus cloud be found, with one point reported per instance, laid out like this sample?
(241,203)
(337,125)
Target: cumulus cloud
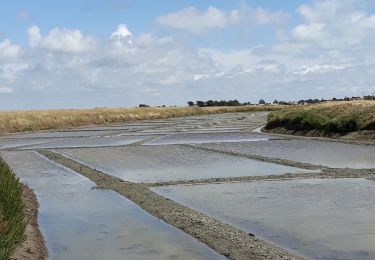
(201,21)
(335,24)
(122,33)
(120,70)
(9,50)
(64,40)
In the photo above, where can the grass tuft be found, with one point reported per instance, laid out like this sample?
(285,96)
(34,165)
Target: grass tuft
(12,215)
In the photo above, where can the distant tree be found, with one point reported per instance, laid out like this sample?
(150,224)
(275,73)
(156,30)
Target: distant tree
(210,103)
(200,103)
(143,105)
(369,97)
(275,102)
(190,103)
(262,102)
(222,103)
(235,103)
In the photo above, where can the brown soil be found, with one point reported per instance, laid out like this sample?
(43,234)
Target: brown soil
(33,248)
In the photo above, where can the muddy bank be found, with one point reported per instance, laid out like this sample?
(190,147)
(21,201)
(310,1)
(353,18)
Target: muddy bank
(360,137)
(325,174)
(307,166)
(33,248)
(225,239)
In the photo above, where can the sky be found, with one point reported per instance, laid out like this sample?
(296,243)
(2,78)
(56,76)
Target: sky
(121,53)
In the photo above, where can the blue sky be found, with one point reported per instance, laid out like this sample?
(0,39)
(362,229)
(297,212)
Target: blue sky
(89,53)
(99,17)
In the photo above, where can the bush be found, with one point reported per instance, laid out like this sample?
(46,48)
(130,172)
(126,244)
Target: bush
(12,215)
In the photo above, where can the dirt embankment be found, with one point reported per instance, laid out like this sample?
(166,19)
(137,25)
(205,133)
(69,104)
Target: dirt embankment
(366,136)
(225,239)
(347,120)
(33,248)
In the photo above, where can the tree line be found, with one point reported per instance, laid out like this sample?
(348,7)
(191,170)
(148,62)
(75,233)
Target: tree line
(216,103)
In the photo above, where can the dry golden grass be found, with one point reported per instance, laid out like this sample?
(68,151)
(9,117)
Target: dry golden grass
(18,121)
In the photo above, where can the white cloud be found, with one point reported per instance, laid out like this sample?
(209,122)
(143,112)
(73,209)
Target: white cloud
(200,76)
(310,32)
(335,24)
(34,35)
(264,16)
(202,21)
(4,89)
(148,38)
(197,21)
(64,40)
(10,71)
(9,50)
(122,33)
(319,68)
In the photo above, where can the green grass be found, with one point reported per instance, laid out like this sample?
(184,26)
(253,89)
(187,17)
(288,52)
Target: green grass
(12,215)
(328,118)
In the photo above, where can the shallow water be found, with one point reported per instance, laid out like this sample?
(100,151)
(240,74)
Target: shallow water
(91,142)
(60,134)
(18,142)
(337,155)
(122,127)
(319,219)
(207,138)
(81,223)
(212,123)
(171,163)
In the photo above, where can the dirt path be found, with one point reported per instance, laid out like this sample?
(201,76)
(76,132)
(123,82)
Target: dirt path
(225,239)
(33,248)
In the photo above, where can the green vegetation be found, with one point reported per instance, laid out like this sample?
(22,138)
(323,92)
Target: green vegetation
(12,215)
(325,118)
(18,121)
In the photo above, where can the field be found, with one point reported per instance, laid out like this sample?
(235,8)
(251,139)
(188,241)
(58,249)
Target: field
(326,118)
(19,121)
(197,187)
(12,216)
